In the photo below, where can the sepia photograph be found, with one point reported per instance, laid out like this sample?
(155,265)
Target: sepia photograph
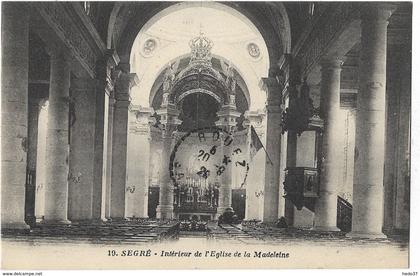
(206,135)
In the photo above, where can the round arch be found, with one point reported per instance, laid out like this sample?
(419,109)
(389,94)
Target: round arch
(241,82)
(271,20)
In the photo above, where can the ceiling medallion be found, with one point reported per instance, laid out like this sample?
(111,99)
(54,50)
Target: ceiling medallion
(253,50)
(149,47)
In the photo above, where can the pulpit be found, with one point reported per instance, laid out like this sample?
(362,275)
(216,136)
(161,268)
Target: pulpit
(301,184)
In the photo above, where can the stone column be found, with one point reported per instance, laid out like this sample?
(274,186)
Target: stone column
(370,124)
(326,205)
(119,144)
(57,156)
(41,161)
(33,114)
(227,121)
(169,119)
(273,147)
(83,191)
(35,103)
(137,187)
(291,154)
(14,118)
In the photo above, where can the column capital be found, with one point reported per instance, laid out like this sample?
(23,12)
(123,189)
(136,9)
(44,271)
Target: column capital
(134,80)
(372,11)
(269,83)
(56,52)
(331,64)
(124,64)
(273,89)
(122,104)
(111,57)
(123,86)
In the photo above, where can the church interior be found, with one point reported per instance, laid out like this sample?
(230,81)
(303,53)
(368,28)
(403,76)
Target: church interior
(240,121)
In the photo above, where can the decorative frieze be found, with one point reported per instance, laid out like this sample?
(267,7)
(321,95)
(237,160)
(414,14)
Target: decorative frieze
(324,32)
(57,16)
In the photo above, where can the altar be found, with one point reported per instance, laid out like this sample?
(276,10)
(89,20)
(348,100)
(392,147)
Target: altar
(196,199)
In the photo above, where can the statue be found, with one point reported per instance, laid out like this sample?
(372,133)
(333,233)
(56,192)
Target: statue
(169,78)
(232,100)
(165,99)
(230,79)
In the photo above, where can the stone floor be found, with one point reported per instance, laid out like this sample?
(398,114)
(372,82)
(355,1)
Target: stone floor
(158,231)
(112,232)
(90,246)
(263,234)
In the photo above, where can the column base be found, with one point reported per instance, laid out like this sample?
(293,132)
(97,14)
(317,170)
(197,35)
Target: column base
(14,226)
(56,221)
(222,209)
(105,219)
(269,220)
(136,218)
(325,229)
(165,212)
(117,220)
(86,221)
(364,235)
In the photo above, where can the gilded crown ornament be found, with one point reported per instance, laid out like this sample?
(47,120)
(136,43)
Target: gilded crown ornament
(200,49)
